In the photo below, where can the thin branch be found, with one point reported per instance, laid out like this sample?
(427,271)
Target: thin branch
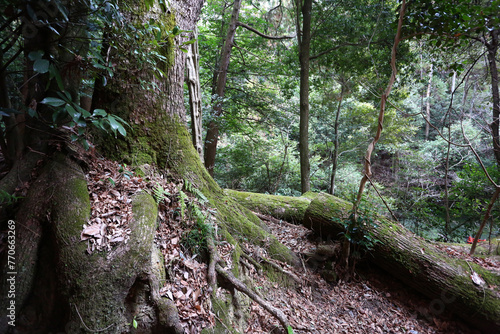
(334,48)
(485,219)
(246,26)
(383,200)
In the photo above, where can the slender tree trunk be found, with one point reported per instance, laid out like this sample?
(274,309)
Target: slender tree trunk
(495,125)
(304,40)
(428,104)
(213,127)
(193,83)
(335,154)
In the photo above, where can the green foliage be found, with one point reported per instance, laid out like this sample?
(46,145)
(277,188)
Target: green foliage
(196,238)
(195,191)
(159,193)
(182,201)
(357,230)
(8,199)
(65,108)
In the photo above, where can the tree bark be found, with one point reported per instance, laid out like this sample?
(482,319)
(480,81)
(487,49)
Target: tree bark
(194,88)
(304,42)
(291,209)
(447,281)
(212,136)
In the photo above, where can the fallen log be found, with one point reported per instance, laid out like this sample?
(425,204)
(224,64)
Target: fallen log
(291,209)
(464,288)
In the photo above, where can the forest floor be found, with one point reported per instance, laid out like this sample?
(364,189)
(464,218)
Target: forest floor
(371,301)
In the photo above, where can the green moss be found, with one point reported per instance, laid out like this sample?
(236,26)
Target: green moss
(224,310)
(291,209)
(276,276)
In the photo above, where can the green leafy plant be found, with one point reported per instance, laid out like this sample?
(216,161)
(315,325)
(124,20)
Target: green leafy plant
(195,191)
(159,193)
(182,200)
(6,198)
(357,231)
(122,169)
(196,239)
(79,118)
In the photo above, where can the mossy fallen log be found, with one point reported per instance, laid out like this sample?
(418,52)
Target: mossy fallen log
(447,281)
(291,209)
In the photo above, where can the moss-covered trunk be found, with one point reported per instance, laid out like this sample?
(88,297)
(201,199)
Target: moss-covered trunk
(447,281)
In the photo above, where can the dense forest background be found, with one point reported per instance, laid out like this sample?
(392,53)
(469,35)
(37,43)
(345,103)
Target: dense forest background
(436,146)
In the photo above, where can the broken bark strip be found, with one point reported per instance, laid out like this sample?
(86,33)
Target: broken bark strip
(240,286)
(445,280)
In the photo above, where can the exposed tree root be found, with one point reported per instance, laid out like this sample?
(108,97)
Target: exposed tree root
(269,262)
(252,261)
(281,270)
(168,316)
(240,286)
(214,267)
(214,259)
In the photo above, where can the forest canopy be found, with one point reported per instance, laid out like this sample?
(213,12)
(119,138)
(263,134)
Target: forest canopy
(435,162)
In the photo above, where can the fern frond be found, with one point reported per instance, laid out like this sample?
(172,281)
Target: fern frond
(182,197)
(159,193)
(195,191)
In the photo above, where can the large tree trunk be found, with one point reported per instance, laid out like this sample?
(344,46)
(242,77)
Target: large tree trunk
(446,281)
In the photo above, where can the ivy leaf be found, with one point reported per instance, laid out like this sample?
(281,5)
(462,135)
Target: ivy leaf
(41,66)
(99,112)
(116,126)
(53,101)
(75,115)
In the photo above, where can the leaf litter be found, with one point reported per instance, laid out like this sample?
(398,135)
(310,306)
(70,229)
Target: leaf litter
(373,302)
